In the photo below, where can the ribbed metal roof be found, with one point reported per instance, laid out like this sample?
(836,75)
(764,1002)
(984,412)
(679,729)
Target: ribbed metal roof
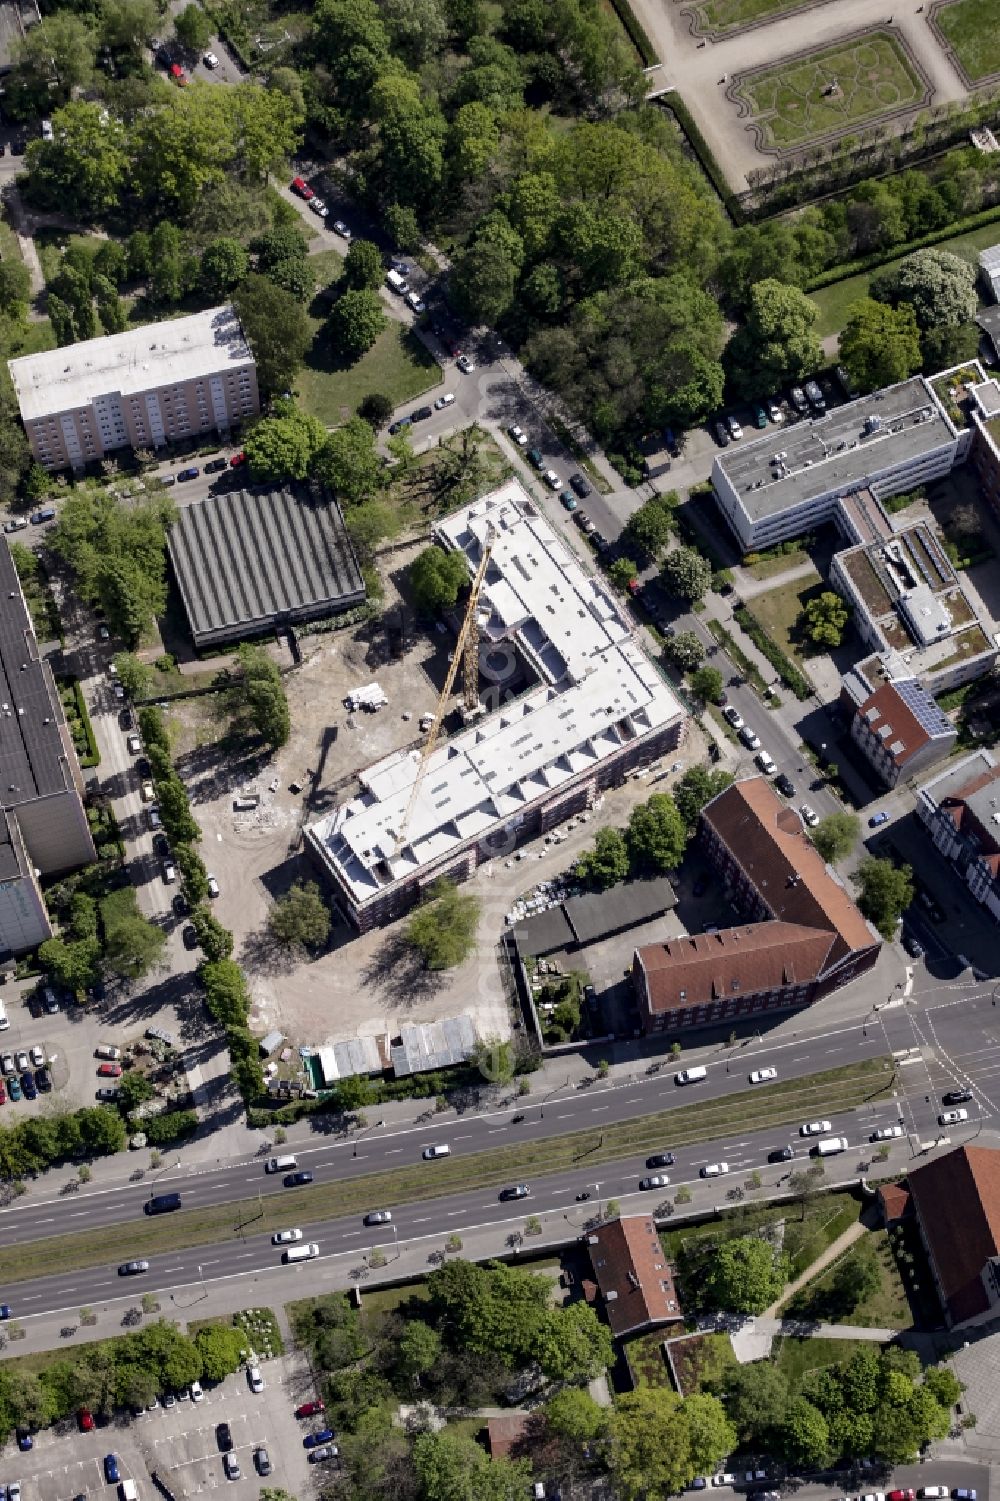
(32,757)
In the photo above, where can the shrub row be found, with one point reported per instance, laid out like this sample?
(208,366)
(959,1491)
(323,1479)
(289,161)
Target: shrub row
(635,33)
(171,1126)
(685,120)
(895,252)
(44,1141)
(789,674)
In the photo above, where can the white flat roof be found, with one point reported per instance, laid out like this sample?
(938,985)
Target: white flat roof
(597,692)
(155,354)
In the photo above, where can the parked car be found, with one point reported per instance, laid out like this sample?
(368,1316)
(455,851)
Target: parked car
(735,431)
(784,784)
(340,228)
(759,417)
(799,400)
(465,364)
(231,1465)
(111,1474)
(300,186)
(817,401)
(178,75)
(190,473)
(254,1378)
(952,1117)
(734,717)
(721,434)
(446,400)
(310,1409)
(210,60)
(809,816)
(262,1460)
(552,479)
(319,207)
(85,1420)
(579,484)
(223,1437)
(519,436)
(766,763)
(318,1456)
(313,1440)
(749,738)
(569,500)
(216,466)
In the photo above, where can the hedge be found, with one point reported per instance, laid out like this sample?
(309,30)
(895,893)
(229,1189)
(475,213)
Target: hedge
(703,152)
(172,1125)
(896,252)
(93,756)
(786,669)
(635,32)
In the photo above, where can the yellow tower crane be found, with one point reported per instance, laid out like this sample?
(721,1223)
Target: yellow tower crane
(467,647)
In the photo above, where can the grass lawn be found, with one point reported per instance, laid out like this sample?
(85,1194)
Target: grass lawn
(972,28)
(780,608)
(796,1356)
(868,76)
(397,363)
(50,244)
(779,563)
(886,1308)
(808,1230)
(834,300)
(729,15)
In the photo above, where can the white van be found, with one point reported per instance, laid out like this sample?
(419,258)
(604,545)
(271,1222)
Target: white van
(281,1164)
(691,1075)
(396,283)
(4,1018)
(128,1490)
(301,1253)
(134,745)
(829,1146)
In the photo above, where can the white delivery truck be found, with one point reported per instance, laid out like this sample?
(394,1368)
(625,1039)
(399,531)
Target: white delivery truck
(691,1075)
(301,1253)
(829,1146)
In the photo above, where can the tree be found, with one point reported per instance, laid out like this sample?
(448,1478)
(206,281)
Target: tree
(133,1089)
(301,917)
(684,650)
(836,835)
(193,28)
(573,1414)
(607,863)
(284,446)
(756,1397)
(856,1278)
(494,1059)
(224,264)
(72,965)
(419,1350)
(277,329)
(650,1457)
(260,695)
(746,1275)
(706,684)
(823,619)
(776,341)
(879,345)
(452,1467)
(56,57)
(443,930)
(376,408)
(135,677)
(221,1350)
(805,1435)
(214,940)
(622,572)
(484,280)
(656,835)
(349,462)
(363,265)
(570,1344)
(943,1385)
(938,285)
(695,788)
(805,1183)
(133,945)
(355,322)
(687,573)
(886,892)
(713,1436)
(83,169)
(648,529)
(435,578)
(126,25)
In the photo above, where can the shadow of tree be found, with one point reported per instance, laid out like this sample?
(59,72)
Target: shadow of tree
(396,967)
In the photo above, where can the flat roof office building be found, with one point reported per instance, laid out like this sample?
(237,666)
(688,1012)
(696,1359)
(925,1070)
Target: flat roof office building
(596,707)
(144,388)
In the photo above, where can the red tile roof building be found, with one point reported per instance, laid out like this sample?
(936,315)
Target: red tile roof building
(957,1201)
(804,938)
(901,730)
(635,1279)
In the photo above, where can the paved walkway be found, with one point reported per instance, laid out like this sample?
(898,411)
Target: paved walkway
(808,1329)
(747,585)
(851,1234)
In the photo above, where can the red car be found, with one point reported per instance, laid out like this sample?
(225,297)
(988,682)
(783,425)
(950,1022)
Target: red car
(85,1420)
(310,1409)
(178,74)
(3,1094)
(237,459)
(905,1495)
(300,186)
(110,1071)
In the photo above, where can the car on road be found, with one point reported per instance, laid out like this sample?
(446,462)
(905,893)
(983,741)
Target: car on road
(340,228)
(579,484)
(784,784)
(231,1465)
(714,1169)
(952,1117)
(781,1154)
(313,1440)
(956,1097)
(310,1409)
(766,763)
(210,60)
(379,1217)
(656,1180)
(132,1268)
(465,364)
(815,1128)
(887,1133)
(518,435)
(733,716)
(808,815)
(444,401)
(5,1311)
(552,479)
(254,1378)
(569,500)
(441,1149)
(318,1456)
(877,819)
(111,1474)
(735,431)
(761,1075)
(296,1180)
(285,1237)
(660,1159)
(749,738)
(300,186)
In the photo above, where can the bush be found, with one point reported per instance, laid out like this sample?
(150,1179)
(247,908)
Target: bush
(789,674)
(172,1125)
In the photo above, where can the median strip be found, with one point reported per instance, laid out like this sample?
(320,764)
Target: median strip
(833,1090)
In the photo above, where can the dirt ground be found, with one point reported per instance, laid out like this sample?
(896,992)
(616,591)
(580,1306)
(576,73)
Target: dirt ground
(362,985)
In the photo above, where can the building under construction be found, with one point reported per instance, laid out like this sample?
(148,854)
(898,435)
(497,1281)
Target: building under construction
(571,704)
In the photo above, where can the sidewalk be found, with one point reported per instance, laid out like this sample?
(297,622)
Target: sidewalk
(851,1234)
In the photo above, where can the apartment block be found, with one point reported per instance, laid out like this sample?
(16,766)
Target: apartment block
(43,824)
(895,723)
(960,808)
(144,388)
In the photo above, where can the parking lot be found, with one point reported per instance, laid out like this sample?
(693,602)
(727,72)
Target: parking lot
(181,1444)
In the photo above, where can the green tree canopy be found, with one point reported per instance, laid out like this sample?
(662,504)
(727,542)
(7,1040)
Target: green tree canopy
(746,1274)
(938,285)
(684,650)
(258,695)
(436,577)
(648,530)
(776,341)
(706,684)
(886,892)
(349,462)
(697,786)
(224,264)
(607,863)
(824,618)
(363,265)
(573,1414)
(651,1457)
(284,446)
(193,28)
(687,573)
(301,916)
(836,835)
(221,1349)
(452,1467)
(756,1396)
(805,1435)
(443,930)
(656,835)
(879,345)
(277,329)
(356,320)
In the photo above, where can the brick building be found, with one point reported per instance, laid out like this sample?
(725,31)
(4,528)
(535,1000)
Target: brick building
(803,937)
(144,388)
(632,1275)
(960,808)
(957,1203)
(896,725)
